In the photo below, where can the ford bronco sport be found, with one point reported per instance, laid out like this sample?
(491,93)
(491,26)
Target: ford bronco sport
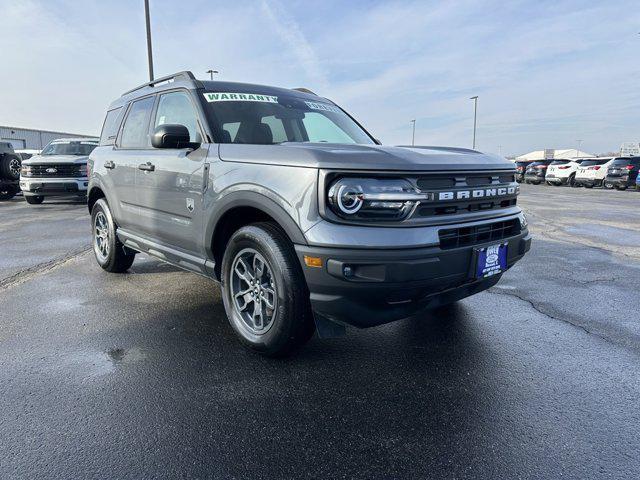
(304,218)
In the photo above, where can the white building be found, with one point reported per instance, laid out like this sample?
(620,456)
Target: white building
(550,154)
(29,139)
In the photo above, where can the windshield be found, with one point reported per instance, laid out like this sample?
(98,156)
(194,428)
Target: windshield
(251,118)
(560,162)
(69,148)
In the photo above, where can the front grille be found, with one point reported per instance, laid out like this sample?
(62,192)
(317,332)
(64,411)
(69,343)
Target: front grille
(477,234)
(61,170)
(464,181)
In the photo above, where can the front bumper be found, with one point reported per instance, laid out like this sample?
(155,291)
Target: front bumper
(386,285)
(53,186)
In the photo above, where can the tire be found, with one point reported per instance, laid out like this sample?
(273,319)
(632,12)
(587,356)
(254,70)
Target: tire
(10,167)
(620,187)
(8,192)
(110,253)
(586,185)
(34,199)
(280,330)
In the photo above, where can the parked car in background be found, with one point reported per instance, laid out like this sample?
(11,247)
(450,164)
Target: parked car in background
(562,172)
(536,171)
(623,172)
(592,172)
(61,169)
(9,171)
(521,167)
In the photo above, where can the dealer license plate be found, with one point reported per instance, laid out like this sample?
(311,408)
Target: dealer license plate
(491,260)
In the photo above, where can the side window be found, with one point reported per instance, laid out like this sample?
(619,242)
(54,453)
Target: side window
(135,133)
(110,126)
(176,108)
(232,129)
(320,129)
(277,128)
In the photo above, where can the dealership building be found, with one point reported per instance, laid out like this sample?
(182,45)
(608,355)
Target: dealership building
(29,139)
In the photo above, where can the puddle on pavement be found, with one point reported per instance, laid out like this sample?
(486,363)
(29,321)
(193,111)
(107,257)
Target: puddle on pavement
(612,235)
(95,364)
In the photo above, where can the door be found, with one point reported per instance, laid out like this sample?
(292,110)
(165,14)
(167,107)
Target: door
(131,144)
(170,182)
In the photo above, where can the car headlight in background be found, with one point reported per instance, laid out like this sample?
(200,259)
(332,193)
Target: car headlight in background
(523,220)
(82,170)
(373,198)
(26,170)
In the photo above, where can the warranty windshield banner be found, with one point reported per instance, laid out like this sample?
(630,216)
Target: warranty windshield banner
(239,97)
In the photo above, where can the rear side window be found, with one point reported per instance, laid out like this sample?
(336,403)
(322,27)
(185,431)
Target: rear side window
(135,132)
(110,127)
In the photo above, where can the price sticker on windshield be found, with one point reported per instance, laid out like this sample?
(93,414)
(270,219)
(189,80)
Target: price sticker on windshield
(323,106)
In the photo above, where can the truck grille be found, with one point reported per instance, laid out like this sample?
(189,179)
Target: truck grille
(477,234)
(465,182)
(61,170)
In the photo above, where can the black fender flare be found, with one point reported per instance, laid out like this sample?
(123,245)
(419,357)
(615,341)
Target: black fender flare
(254,200)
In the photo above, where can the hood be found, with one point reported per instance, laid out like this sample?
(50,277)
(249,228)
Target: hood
(55,159)
(363,157)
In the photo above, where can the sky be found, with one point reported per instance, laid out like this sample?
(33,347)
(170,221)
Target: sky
(547,73)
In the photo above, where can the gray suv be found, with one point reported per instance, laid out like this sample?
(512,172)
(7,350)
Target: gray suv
(308,223)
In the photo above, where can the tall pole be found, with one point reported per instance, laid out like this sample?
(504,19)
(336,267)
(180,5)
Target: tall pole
(475,118)
(578,149)
(413,135)
(211,72)
(149,52)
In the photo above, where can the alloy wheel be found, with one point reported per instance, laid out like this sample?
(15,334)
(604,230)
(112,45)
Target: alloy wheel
(253,291)
(101,236)
(14,167)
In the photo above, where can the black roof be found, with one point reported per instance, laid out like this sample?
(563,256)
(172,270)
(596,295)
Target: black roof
(187,80)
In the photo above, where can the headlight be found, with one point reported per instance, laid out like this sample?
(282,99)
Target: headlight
(82,170)
(373,199)
(25,170)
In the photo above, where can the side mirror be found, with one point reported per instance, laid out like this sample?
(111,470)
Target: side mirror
(172,135)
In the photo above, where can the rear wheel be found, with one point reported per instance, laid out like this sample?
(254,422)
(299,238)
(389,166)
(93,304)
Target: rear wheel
(264,291)
(34,199)
(607,185)
(110,253)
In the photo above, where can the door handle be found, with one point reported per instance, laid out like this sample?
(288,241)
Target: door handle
(109,164)
(147,167)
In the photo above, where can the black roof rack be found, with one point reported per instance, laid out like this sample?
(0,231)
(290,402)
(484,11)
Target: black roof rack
(186,75)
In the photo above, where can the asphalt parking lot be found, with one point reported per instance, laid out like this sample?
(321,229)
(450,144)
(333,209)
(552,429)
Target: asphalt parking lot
(140,376)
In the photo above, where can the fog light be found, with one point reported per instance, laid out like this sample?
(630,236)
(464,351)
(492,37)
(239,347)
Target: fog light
(347,271)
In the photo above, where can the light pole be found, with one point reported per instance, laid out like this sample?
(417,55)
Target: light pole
(413,135)
(149,52)
(475,118)
(578,149)
(211,72)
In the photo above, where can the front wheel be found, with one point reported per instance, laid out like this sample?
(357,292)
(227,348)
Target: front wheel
(34,199)
(264,291)
(110,253)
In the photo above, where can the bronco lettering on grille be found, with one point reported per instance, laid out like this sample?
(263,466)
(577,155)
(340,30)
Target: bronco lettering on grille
(477,193)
